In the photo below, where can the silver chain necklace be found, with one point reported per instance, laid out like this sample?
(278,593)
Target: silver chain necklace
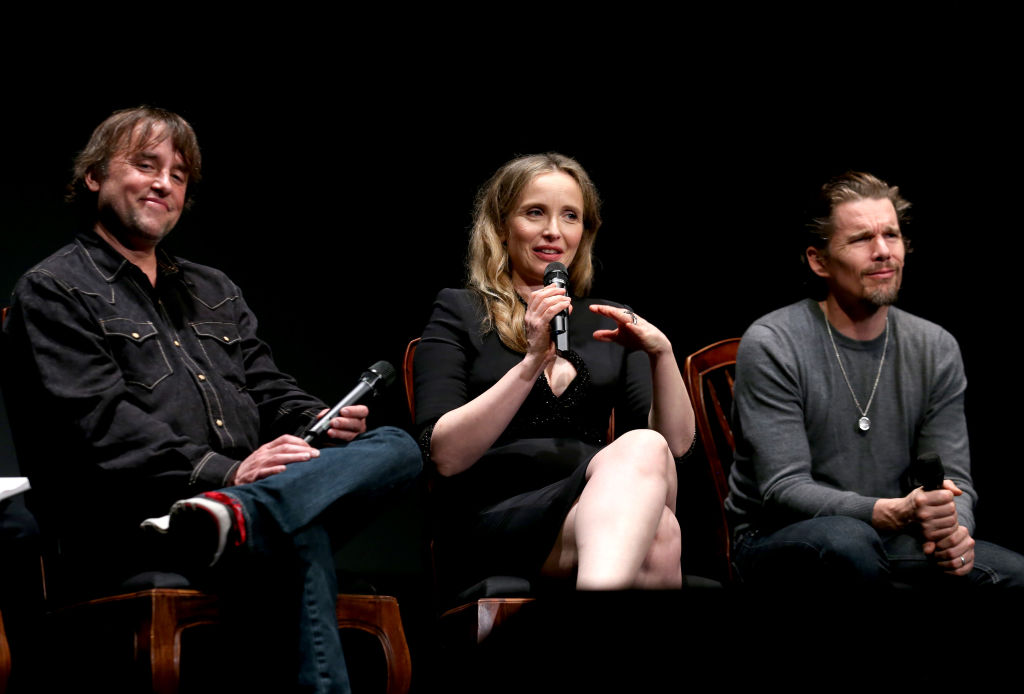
(863,423)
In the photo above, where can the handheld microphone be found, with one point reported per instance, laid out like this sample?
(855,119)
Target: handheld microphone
(378,376)
(556,274)
(926,472)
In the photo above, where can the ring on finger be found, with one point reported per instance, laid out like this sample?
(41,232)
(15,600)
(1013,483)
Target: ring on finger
(963,561)
(632,316)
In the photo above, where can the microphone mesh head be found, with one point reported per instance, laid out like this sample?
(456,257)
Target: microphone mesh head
(928,471)
(385,370)
(553,270)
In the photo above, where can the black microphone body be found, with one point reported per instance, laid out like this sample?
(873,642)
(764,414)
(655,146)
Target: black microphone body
(926,472)
(557,274)
(381,374)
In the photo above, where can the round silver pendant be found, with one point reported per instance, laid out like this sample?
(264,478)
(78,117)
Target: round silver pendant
(864,423)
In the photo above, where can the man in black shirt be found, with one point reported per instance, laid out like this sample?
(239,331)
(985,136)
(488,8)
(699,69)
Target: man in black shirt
(140,382)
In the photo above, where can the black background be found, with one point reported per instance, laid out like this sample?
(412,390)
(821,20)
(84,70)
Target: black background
(338,185)
(341,203)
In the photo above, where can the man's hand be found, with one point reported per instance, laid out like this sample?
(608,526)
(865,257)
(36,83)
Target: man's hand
(955,552)
(350,422)
(271,458)
(935,512)
(949,542)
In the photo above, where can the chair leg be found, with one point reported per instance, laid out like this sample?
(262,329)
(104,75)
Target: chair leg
(158,634)
(379,615)
(491,612)
(159,616)
(474,622)
(5,657)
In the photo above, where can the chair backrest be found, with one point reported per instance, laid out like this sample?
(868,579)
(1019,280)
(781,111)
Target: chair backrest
(709,379)
(5,657)
(407,377)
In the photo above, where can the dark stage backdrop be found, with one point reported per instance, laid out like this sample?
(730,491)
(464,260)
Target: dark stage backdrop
(341,222)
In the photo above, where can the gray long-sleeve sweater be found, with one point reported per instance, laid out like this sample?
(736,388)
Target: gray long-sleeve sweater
(799,451)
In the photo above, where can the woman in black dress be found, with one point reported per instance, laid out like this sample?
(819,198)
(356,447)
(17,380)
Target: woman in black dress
(527,483)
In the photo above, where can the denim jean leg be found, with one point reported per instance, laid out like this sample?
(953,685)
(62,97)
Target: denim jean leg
(994,566)
(910,565)
(997,566)
(322,666)
(283,516)
(354,474)
(813,552)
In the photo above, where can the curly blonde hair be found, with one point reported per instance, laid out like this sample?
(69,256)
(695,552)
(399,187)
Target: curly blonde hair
(487,263)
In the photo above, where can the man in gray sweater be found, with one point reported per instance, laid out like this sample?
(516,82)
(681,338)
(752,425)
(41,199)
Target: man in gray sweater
(835,399)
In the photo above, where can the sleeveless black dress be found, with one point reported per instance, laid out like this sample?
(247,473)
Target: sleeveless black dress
(502,515)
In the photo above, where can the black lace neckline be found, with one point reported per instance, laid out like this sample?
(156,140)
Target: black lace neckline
(580,381)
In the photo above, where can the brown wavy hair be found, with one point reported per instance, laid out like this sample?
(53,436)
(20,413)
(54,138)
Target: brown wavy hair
(850,187)
(128,131)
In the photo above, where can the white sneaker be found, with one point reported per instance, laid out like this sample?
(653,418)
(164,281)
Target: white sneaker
(198,523)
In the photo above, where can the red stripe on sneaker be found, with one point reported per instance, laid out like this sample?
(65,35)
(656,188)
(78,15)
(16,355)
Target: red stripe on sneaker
(236,509)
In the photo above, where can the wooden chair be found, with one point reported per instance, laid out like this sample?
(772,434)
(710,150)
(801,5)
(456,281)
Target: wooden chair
(158,618)
(5,657)
(472,621)
(709,378)
(155,618)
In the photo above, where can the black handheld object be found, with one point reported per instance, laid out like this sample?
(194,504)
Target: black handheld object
(378,376)
(926,472)
(556,274)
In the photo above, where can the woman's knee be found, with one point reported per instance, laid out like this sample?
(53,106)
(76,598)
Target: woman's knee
(642,453)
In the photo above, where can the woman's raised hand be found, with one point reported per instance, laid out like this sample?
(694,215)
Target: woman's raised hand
(633,332)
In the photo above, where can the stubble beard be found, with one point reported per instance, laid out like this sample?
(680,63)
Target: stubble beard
(885,295)
(137,229)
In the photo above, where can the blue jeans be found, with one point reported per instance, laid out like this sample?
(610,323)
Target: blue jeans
(838,550)
(290,520)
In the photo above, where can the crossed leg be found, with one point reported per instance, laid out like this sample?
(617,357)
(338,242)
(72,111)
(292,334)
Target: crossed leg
(622,532)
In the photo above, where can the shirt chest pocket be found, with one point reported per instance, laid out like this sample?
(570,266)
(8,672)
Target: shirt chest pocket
(222,346)
(136,348)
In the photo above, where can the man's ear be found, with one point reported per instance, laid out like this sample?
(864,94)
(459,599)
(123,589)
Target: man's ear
(92,181)
(817,260)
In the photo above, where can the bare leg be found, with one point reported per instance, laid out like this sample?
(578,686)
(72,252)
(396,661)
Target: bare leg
(661,567)
(622,533)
